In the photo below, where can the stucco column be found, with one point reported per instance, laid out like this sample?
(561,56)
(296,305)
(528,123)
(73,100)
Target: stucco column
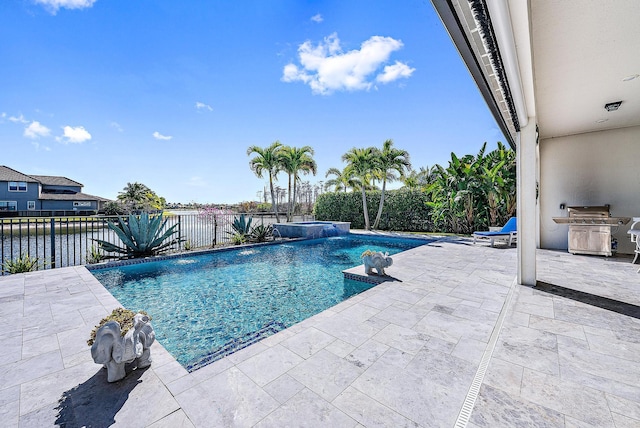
(526,199)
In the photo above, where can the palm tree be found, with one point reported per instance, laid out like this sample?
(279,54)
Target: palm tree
(134,196)
(269,160)
(419,180)
(341,182)
(295,160)
(361,163)
(390,161)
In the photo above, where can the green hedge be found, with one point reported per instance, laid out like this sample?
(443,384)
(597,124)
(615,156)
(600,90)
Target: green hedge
(404,210)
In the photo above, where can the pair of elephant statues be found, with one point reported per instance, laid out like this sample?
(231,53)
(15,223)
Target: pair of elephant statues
(114,351)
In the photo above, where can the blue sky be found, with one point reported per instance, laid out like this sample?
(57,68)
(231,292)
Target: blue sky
(172,93)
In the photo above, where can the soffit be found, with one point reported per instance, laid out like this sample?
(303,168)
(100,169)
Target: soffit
(582,51)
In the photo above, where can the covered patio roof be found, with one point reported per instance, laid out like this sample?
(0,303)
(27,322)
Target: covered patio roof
(560,61)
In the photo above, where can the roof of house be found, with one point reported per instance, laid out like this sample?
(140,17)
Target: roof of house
(9,174)
(71,197)
(52,180)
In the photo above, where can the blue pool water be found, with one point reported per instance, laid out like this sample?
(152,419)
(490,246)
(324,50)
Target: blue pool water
(207,306)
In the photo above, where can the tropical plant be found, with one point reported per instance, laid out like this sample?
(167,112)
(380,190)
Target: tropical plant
(94,255)
(296,160)
(269,160)
(141,235)
(114,208)
(241,226)
(362,164)
(237,239)
(341,182)
(474,191)
(390,160)
(418,180)
(136,197)
(261,233)
(24,263)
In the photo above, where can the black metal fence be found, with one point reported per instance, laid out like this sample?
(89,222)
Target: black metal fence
(70,241)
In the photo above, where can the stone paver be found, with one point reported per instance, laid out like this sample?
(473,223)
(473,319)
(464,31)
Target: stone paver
(402,354)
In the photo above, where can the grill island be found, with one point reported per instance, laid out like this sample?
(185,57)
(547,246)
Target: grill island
(590,229)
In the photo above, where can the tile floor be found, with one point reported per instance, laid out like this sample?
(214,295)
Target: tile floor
(404,353)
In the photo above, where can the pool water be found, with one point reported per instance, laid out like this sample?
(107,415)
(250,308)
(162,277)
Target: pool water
(210,305)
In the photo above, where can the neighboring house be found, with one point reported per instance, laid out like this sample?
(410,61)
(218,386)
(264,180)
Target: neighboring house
(42,195)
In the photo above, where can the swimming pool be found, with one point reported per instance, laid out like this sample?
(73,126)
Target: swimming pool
(210,305)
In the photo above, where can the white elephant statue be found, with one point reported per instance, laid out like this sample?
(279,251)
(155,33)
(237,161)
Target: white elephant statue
(377,261)
(114,351)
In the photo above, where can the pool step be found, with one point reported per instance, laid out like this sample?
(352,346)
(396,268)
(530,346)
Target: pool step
(237,344)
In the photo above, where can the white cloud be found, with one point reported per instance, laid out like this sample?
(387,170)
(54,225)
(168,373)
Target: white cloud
(18,119)
(159,136)
(36,130)
(117,126)
(54,5)
(395,72)
(203,106)
(326,68)
(317,18)
(75,135)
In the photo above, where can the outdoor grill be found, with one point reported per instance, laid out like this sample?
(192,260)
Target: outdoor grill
(590,229)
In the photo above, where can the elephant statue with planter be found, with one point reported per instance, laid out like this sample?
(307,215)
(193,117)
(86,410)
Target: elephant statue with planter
(113,350)
(376,260)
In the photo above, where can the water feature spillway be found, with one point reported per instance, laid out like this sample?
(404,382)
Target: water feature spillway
(312,229)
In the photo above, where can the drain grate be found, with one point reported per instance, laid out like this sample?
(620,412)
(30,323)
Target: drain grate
(474,390)
(237,344)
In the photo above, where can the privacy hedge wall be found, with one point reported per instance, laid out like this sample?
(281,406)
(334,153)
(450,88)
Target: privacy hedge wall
(404,210)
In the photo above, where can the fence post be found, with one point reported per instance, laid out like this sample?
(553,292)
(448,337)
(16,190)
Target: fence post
(215,230)
(53,243)
(179,231)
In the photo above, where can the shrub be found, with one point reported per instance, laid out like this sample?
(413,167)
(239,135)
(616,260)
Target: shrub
(404,210)
(94,256)
(114,208)
(22,264)
(237,239)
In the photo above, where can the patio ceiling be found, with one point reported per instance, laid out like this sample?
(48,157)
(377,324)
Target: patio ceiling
(582,52)
(571,56)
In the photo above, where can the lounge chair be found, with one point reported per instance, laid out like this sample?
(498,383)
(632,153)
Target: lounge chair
(507,233)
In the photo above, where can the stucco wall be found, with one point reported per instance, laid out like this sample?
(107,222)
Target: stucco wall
(589,169)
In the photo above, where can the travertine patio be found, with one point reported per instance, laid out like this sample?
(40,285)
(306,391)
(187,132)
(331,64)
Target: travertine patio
(451,341)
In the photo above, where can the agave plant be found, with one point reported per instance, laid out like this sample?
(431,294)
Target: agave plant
(241,226)
(261,233)
(142,235)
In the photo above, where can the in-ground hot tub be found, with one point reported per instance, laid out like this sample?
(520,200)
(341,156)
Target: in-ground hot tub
(312,229)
